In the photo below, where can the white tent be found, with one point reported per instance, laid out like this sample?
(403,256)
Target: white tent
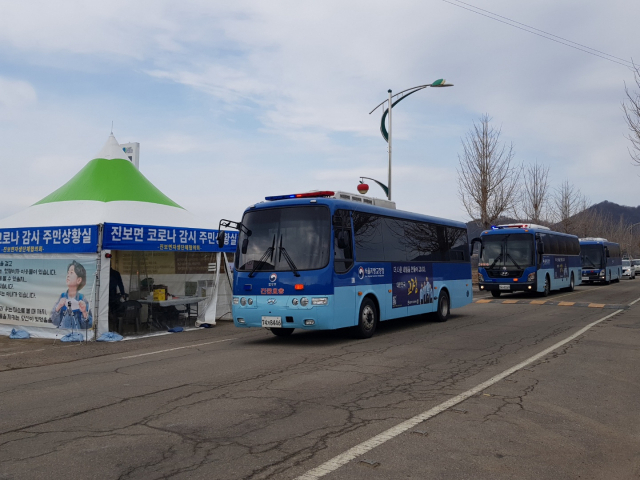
(106,196)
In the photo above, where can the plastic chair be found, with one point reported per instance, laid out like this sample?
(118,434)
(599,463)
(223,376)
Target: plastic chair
(129,312)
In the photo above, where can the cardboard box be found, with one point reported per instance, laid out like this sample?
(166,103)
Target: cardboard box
(159,294)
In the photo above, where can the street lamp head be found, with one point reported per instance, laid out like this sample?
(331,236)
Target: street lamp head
(441,82)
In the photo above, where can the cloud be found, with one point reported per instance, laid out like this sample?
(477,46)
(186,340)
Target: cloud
(16,94)
(245,99)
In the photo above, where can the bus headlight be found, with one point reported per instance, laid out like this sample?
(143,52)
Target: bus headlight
(304,301)
(602,273)
(243,301)
(531,277)
(480,278)
(319,301)
(236,300)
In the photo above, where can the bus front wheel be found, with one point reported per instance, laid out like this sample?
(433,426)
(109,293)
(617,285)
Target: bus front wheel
(367,319)
(547,287)
(572,284)
(442,313)
(282,332)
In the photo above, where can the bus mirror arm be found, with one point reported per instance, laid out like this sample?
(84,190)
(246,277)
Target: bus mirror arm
(473,244)
(342,240)
(230,223)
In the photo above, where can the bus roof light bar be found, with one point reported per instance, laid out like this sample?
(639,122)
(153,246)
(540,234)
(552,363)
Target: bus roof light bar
(520,225)
(323,193)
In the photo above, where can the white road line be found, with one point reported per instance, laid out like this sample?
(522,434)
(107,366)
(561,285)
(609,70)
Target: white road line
(344,458)
(177,348)
(635,301)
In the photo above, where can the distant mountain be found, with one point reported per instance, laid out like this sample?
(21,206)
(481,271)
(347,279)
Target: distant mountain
(629,215)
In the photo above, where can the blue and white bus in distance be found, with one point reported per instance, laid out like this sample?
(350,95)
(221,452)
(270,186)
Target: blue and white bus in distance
(601,260)
(329,260)
(527,258)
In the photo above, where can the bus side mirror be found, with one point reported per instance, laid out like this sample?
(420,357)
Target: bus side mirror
(473,244)
(606,251)
(245,243)
(220,239)
(540,247)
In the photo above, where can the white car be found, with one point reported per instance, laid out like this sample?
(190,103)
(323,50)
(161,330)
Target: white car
(628,269)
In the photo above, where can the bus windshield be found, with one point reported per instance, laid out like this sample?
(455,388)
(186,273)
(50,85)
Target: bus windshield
(285,239)
(509,250)
(591,256)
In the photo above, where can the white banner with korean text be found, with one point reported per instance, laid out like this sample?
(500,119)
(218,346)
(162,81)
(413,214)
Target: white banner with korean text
(48,295)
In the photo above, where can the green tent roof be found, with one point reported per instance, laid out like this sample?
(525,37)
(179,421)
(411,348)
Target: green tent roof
(109,178)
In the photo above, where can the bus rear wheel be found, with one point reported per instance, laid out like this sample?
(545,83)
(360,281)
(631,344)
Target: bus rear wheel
(442,313)
(282,332)
(367,319)
(495,293)
(572,284)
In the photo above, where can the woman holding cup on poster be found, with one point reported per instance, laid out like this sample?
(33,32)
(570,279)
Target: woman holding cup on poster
(72,309)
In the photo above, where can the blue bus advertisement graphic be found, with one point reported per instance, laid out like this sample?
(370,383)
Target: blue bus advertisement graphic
(560,267)
(411,284)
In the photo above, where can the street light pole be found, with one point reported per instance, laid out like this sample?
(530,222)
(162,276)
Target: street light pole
(386,134)
(389,140)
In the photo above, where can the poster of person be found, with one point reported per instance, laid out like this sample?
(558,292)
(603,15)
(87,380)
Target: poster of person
(412,284)
(560,267)
(54,292)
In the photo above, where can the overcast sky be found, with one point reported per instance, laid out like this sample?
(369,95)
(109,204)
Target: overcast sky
(234,101)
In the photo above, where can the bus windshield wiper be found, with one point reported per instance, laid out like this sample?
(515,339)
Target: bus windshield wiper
(589,260)
(514,262)
(499,257)
(292,265)
(267,254)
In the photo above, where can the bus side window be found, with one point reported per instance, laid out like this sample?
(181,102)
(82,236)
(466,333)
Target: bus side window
(367,228)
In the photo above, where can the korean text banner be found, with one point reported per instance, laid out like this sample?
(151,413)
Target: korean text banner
(170,239)
(53,293)
(78,239)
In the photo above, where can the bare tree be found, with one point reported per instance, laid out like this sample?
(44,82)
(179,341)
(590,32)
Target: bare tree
(589,222)
(534,197)
(631,110)
(567,203)
(487,180)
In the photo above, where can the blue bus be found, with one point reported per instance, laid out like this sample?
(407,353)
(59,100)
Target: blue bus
(601,260)
(328,260)
(527,258)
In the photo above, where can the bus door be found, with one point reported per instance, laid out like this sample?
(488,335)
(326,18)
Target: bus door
(344,296)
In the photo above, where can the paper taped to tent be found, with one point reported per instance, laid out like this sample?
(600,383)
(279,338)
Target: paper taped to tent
(130,261)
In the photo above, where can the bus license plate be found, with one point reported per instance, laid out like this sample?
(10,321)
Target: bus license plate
(272,322)
(505,287)
(585,279)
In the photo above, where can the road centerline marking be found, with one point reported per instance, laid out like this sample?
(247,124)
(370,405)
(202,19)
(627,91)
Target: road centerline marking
(176,348)
(368,445)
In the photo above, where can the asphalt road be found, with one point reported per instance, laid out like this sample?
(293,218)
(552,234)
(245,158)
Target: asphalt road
(531,394)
